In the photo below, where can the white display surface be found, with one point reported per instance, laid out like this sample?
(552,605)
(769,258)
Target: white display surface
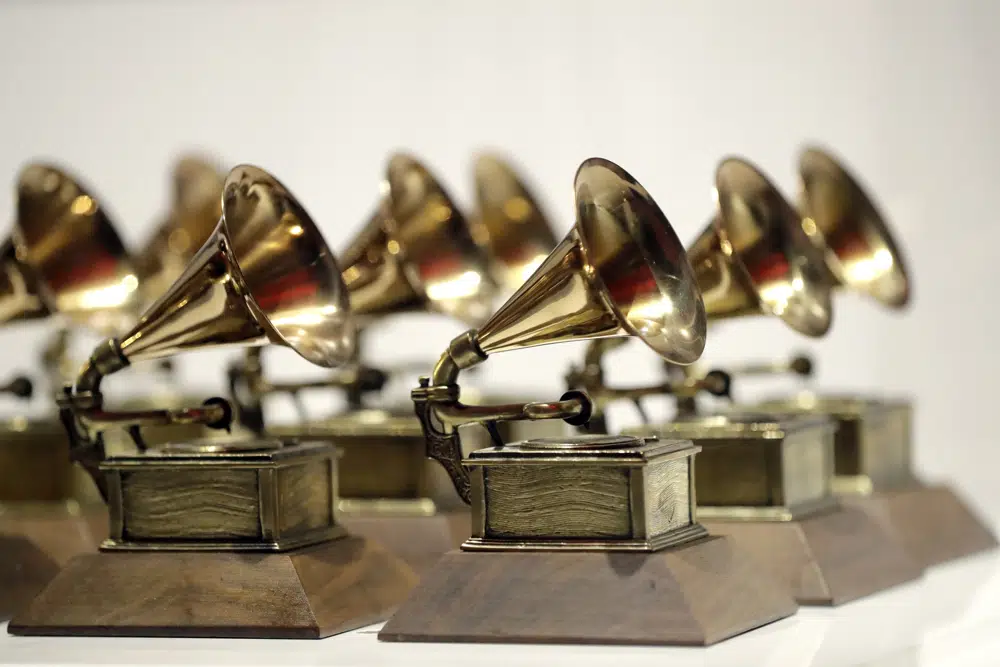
(951,618)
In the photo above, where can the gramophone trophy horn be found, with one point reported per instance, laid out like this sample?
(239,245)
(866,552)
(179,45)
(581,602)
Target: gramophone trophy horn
(873,462)
(844,223)
(753,258)
(194,213)
(68,241)
(509,223)
(63,259)
(417,252)
(181,510)
(575,520)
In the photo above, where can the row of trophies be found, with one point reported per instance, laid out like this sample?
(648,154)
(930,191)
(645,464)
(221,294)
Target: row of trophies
(211,521)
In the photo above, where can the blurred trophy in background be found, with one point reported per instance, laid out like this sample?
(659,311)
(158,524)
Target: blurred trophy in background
(63,261)
(766,478)
(195,208)
(873,453)
(222,537)
(583,538)
(417,253)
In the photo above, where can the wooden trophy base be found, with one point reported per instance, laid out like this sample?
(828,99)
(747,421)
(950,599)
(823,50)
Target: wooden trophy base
(828,558)
(695,594)
(36,541)
(419,541)
(307,593)
(932,522)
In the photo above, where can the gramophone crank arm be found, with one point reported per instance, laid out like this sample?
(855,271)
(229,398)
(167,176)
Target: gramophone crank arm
(800,364)
(441,413)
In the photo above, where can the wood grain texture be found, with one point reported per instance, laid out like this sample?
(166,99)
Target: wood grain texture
(668,496)
(933,523)
(309,593)
(828,558)
(305,497)
(193,504)
(420,541)
(557,501)
(36,543)
(696,594)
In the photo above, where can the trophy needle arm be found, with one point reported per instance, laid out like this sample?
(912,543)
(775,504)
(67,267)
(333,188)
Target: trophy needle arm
(590,377)
(440,412)
(81,410)
(355,380)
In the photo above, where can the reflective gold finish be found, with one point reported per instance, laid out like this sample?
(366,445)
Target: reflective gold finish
(753,258)
(264,275)
(67,240)
(417,252)
(621,271)
(509,223)
(195,210)
(844,223)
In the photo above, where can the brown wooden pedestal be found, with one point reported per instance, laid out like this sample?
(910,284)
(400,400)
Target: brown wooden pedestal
(306,593)
(698,594)
(828,558)
(420,541)
(36,541)
(932,522)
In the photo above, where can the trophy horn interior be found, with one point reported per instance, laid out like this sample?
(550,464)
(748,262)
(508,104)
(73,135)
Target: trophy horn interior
(509,223)
(759,228)
(635,253)
(434,243)
(291,276)
(68,241)
(842,220)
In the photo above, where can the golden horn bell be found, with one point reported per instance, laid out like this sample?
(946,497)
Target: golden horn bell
(843,222)
(195,210)
(417,252)
(264,275)
(755,258)
(620,271)
(509,224)
(77,262)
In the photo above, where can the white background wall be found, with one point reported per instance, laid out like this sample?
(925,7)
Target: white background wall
(320,92)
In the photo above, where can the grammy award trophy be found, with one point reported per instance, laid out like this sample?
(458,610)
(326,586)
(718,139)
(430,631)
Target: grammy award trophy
(766,479)
(63,262)
(218,538)
(583,538)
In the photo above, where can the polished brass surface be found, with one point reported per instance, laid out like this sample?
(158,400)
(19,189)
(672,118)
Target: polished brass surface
(597,493)
(757,467)
(845,224)
(195,210)
(249,496)
(264,275)
(620,271)
(67,240)
(872,448)
(509,223)
(755,257)
(417,252)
